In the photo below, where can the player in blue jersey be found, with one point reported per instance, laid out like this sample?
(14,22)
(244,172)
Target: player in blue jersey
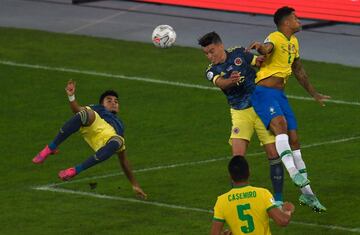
(100,128)
(231,70)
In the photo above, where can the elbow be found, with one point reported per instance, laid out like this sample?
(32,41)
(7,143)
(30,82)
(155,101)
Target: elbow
(283,222)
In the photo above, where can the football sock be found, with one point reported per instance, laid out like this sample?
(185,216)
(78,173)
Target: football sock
(300,165)
(285,153)
(101,155)
(277,177)
(70,127)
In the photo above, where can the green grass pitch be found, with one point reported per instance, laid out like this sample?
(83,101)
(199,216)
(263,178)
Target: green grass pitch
(176,140)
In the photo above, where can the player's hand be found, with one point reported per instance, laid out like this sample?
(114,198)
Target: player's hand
(254,46)
(139,192)
(236,77)
(320,98)
(70,87)
(288,206)
(226,232)
(259,60)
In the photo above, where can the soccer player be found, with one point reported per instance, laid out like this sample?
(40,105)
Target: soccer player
(100,128)
(247,209)
(270,103)
(231,70)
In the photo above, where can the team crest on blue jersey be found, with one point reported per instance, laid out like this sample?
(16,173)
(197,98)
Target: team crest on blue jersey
(210,75)
(238,61)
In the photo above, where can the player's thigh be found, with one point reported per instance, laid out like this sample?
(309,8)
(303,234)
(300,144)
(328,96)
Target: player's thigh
(242,124)
(239,146)
(288,113)
(265,136)
(266,104)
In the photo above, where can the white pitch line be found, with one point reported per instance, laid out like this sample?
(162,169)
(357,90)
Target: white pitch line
(172,206)
(149,80)
(194,162)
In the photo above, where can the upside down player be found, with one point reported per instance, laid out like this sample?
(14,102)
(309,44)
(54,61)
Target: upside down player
(100,128)
(231,71)
(270,103)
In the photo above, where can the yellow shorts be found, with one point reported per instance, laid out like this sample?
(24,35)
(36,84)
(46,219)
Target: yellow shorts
(99,133)
(243,124)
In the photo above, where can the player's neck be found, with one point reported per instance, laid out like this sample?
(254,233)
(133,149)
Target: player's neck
(287,32)
(240,184)
(223,58)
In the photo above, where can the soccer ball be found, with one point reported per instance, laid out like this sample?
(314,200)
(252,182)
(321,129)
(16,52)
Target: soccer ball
(163,36)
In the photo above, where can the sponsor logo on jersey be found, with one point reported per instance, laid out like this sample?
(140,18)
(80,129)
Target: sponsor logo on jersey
(210,75)
(229,68)
(237,61)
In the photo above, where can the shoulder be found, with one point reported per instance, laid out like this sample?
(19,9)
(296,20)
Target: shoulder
(273,37)
(235,49)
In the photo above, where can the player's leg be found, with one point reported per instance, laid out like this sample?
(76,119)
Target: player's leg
(110,148)
(241,131)
(276,169)
(83,118)
(268,103)
(308,197)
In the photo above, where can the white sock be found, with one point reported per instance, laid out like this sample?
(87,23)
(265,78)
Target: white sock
(284,151)
(300,165)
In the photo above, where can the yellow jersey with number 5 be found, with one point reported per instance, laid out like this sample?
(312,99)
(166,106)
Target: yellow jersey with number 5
(278,62)
(244,209)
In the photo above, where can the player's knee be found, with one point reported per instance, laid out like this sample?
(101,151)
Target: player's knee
(117,142)
(278,125)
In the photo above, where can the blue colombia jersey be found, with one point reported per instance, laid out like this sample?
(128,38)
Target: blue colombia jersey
(109,117)
(236,60)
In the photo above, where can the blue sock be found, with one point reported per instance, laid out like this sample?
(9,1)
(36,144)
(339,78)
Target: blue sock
(70,127)
(277,178)
(101,155)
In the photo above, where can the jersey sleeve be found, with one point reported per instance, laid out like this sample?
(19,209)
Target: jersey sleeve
(297,48)
(218,211)
(268,200)
(211,74)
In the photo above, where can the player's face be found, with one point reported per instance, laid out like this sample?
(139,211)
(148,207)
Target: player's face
(293,22)
(215,53)
(111,104)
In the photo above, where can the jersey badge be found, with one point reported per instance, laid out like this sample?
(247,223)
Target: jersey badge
(238,61)
(236,130)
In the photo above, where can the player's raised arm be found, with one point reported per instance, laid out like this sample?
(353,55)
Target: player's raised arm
(234,80)
(129,174)
(303,79)
(70,91)
(262,48)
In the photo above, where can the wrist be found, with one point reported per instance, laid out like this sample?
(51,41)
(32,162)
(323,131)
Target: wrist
(71,97)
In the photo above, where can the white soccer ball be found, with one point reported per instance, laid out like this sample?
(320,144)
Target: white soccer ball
(163,36)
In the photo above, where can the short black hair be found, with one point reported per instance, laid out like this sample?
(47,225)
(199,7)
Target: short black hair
(239,169)
(107,93)
(281,14)
(209,38)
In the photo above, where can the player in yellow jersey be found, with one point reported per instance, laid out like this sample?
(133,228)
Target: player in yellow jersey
(247,209)
(270,103)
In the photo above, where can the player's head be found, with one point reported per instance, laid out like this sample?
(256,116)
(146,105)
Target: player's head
(239,169)
(109,99)
(286,17)
(213,47)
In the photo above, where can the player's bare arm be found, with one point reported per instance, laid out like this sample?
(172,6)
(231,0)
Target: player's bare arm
(70,91)
(282,216)
(129,174)
(303,79)
(262,48)
(234,80)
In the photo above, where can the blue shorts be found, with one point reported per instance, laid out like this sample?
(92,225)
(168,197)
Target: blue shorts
(270,103)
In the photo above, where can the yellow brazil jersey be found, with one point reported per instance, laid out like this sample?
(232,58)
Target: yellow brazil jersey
(278,62)
(244,209)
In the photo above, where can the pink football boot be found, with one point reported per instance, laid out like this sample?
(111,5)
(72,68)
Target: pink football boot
(43,154)
(67,174)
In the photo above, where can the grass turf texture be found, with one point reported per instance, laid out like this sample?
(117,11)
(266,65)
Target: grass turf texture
(164,125)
